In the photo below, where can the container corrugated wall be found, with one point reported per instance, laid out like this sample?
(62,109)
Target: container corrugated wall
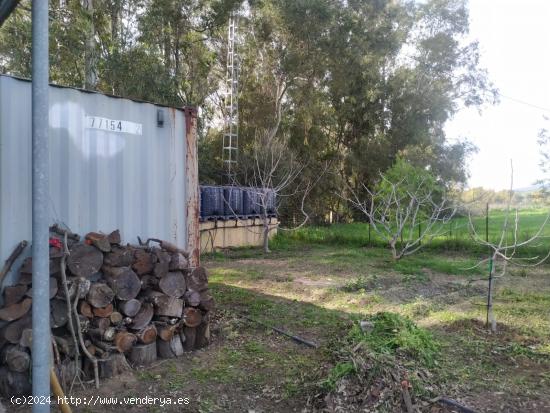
(130,175)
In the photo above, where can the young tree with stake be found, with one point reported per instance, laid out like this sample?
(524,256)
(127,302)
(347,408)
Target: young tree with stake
(407,207)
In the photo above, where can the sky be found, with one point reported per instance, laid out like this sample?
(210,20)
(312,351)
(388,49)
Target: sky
(514,37)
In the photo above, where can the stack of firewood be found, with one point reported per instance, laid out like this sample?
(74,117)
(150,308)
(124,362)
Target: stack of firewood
(111,305)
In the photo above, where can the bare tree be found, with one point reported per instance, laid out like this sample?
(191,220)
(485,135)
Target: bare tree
(404,212)
(503,251)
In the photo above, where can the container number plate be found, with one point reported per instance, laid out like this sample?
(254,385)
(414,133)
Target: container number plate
(113,125)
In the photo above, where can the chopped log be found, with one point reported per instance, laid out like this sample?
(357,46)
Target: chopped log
(130,307)
(61,231)
(192,298)
(166,332)
(12,331)
(161,269)
(26,338)
(100,295)
(14,384)
(170,349)
(191,317)
(189,338)
(58,313)
(197,280)
(101,323)
(53,288)
(107,334)
(178,262)
(16,358)
(116,318)
(16,311)
(103,311)
(114,237)
(202,338)
(11,259)
(26,268)
(85,309)
(124,282)
(65,346)
(144,262)
(173,284)
(84,260)
(119,257)
(149,282)
(143,354)
(114,364)
(168,306)
(168,246)
(124,341)
(163,265)
(143,317)
(24,279)
(207,301)
(66,371)
(14,294)
(99,240)
(147,334)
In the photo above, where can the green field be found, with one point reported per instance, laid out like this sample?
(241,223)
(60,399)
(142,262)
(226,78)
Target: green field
(456,235)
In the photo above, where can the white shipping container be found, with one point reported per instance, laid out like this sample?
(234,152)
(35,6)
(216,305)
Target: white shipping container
(114,164)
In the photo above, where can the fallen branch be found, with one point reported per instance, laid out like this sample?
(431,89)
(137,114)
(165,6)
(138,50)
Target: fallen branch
(81,339)
(453,403)
(68,301)
(284,333)
(11,259)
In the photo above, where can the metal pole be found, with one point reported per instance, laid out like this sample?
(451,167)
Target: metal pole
(487,222)
(41,343)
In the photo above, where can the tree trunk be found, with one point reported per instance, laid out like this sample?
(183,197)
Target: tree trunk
(266,235)
(90,55)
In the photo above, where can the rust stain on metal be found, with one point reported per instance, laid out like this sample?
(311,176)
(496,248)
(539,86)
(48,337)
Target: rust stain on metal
(192,180)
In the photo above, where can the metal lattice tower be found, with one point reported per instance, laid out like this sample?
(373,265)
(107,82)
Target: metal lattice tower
(231,128)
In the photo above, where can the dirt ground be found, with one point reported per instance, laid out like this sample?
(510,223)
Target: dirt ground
(317,293)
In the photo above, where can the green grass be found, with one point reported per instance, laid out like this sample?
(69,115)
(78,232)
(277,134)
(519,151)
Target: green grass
(390,333)
(455,236)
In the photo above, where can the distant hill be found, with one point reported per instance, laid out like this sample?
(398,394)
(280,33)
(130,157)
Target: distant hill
(531,188)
